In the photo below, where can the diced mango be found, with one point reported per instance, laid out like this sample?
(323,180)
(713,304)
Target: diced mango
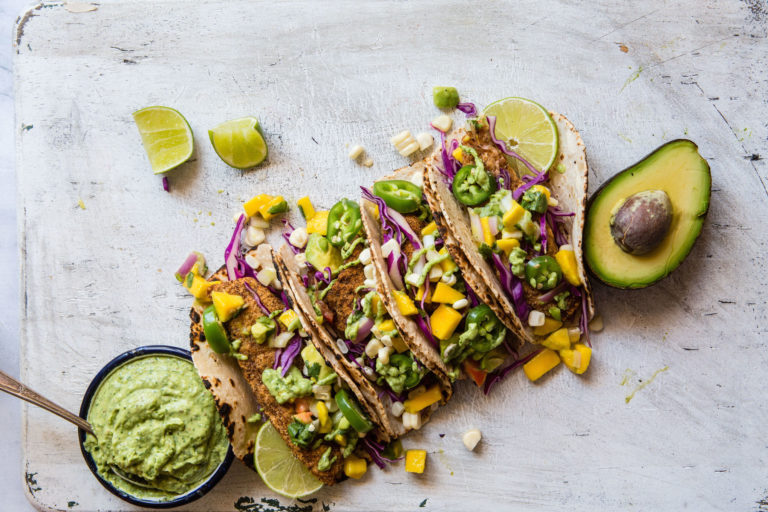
(355,467)
(318,223)
(289,319)
(399,345)
(306,208)
(429,229)
(541,364)
(265,209)
(226,305)
(577,360)
(423,400)
(507,244)
(340,440)
(513,216)
(558,340)
(550,325)
(420,294)
(447,264)
(375,300)
(404,303)
(458,155)
(488,238)
(567,261)
(444,321)
(387,325)
(415,461)
(446,295)
(326,423)
(252,206)
(199,287)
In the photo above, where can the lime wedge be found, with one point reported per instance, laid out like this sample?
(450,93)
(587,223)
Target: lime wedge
(527,129)
(239,142)
(277,466)
(166,136)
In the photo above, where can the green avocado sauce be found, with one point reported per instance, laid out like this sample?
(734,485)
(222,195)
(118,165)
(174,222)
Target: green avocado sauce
(154,419)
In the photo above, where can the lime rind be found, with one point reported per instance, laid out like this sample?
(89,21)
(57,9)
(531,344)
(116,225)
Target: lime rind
(166,136)
(280,470)
(528,123)
(239,143)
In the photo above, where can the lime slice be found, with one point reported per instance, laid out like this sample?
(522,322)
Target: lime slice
(527,129)
(166,136)
(279,468)
(239,142)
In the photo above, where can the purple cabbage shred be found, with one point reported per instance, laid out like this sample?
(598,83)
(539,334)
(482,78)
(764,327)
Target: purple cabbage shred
(468,108)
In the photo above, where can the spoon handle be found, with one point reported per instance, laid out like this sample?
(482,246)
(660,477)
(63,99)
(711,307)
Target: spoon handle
(19,390)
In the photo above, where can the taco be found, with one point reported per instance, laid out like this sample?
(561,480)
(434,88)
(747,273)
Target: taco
(443,315)
(331,275)
(521,235)
(259,358)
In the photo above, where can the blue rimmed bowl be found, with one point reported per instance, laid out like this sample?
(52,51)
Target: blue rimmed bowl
(176,501)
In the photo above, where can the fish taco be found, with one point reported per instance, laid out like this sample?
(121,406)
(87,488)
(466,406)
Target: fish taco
(520,234)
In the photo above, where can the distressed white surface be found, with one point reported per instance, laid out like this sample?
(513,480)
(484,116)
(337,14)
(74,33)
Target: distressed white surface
(99,281)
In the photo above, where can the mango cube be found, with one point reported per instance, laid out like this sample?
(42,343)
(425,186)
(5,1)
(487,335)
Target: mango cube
(387,325)
(446,295)
(423,400)
(447,264)
(198,287)
(252,206)
(444,321)
(577,360)
(415,461)
(404,303)
(355,467)
(513,216)
(507,244)
(318,223)
(550,325)
(420,294)
(306,208)
(567,261)
(289,319)
(226,305)
(541,364)
(429,229)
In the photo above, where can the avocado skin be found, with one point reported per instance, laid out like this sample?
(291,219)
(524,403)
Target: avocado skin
(598,251)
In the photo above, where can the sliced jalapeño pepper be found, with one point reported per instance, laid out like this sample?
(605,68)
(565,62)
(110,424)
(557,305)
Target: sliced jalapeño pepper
(543,272)
(214,332)
(344,222)
(486,322)
(473,185)
(349,408)
(400,195)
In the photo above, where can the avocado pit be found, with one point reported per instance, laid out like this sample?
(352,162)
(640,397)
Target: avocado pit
(641,222)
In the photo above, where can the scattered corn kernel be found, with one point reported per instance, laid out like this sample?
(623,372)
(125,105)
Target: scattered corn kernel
(442,123)
(536,318)
(471,438)
(415,461)
(425,140)
(405,143)
(355,152)
(368,162)
(543,362)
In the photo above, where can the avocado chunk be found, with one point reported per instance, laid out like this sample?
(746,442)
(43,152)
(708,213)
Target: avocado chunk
(320,253)
(643,222)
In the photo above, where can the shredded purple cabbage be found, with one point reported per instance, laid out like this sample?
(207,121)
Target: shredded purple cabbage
(425,294)
(499,374)
(289,354)
(556,224)
(256,298)
(450,167)
(504,175)
(512,287)
(166,186)
(283,296)
(426,329)
(584,320)
(321,275)
(471,295)
(543,233)
(375,450)
(392,221)
(278,356)
(232,252)
(468,108)
(547,297)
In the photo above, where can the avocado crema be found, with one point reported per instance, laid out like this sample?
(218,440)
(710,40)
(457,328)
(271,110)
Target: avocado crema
(156,421)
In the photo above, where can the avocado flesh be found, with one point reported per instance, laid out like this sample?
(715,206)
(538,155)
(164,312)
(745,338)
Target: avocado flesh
(677,169)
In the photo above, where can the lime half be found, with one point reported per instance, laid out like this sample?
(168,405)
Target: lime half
(239,142)
(166,136)
(526,128)
(279,468)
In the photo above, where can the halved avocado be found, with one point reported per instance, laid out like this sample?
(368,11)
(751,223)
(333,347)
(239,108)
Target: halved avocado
(677,169)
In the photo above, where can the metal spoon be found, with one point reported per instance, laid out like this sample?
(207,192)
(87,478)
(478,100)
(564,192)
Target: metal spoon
(19,390)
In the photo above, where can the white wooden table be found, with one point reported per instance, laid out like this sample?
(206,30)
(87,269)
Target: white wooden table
(97,281)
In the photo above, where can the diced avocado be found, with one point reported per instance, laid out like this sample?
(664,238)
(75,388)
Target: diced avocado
(320,253)
(676,169)
(312,357)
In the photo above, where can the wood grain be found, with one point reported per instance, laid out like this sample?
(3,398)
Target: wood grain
(98,281)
